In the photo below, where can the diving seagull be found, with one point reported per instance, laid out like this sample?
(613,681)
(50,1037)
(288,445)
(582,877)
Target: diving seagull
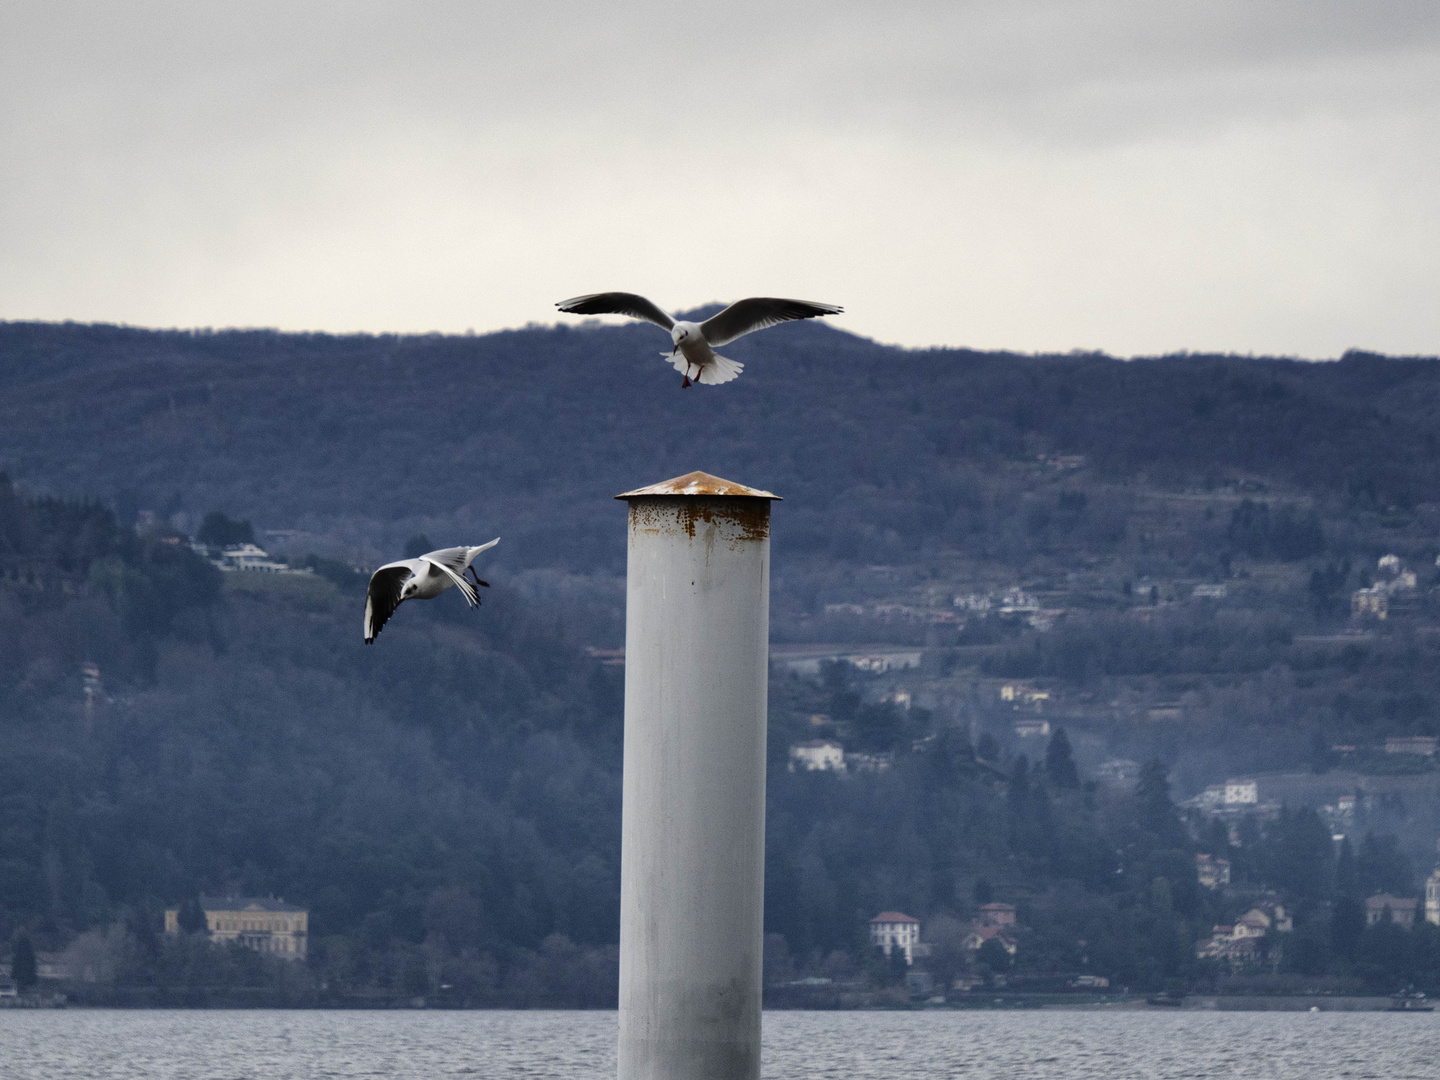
(421,579)
(695,343)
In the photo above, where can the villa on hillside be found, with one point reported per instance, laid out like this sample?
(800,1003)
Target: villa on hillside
(265,925)
(983,932)
(895,930)
(997,914)
(246,557)
(1401,909)
(1240,944)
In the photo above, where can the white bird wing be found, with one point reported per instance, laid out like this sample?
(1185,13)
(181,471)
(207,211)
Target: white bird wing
(756,313)
(618,303)
(453,561)
(383,596)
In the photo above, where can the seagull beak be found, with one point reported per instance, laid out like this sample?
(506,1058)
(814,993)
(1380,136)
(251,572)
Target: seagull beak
(676,349)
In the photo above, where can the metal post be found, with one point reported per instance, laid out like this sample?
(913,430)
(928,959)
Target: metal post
(692,865)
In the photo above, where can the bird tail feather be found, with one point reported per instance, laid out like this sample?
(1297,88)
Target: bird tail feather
(722,370)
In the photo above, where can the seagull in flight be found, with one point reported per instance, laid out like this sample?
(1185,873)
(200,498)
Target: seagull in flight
(421,579)
(695,343)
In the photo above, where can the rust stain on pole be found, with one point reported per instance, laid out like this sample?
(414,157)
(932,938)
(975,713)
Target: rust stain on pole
(707,499)
(699,483)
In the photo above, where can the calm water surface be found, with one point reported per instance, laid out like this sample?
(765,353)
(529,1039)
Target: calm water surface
(185,1045)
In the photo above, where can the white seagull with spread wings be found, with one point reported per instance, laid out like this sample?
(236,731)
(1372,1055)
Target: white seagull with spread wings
(421,579)
(695,343)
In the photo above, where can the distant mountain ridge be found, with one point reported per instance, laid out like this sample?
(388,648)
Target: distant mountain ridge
(365,439)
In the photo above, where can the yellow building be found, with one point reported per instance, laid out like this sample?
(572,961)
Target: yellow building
(267,926)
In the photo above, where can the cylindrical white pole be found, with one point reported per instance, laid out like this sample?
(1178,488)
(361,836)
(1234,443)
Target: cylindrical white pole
(692,865)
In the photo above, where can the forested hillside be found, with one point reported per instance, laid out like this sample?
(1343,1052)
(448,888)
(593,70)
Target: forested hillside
(446,802)
(882,454)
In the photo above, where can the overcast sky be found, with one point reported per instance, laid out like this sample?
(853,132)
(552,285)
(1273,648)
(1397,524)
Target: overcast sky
(1124,175)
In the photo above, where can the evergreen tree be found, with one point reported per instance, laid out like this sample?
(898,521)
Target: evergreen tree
(1018,799)
(1020,783)
(1383,867)
(23,967)
(1301,853)
(1157,812)
(191,916)
(1347,879)
(1347,923)
(1060,761)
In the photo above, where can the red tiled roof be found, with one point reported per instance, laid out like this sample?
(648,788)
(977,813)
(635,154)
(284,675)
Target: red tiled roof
(894,916)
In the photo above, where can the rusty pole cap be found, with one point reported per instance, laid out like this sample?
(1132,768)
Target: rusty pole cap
(698,483)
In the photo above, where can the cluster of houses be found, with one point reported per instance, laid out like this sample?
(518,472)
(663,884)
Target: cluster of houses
(1395,589)
(826,755)
(1241,944)
(1245,942)
(1018,694)
(1013,601)
(1232,800)
(894,930)
(266,925)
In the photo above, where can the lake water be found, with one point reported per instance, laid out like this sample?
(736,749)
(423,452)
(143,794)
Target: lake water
(976,1045)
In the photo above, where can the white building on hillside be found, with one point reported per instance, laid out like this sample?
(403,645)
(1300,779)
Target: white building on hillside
(245,557)
(1411,744)
(1241,792)
(817,755)
(1432,898)
(896,930)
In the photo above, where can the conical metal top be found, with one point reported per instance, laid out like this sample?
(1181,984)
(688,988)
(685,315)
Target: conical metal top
(699,483)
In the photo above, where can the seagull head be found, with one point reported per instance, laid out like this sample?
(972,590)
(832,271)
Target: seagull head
(680,333)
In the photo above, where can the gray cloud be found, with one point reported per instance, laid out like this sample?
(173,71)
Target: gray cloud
(1117,174)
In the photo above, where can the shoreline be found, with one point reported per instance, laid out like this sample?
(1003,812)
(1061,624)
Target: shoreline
(1006,1002)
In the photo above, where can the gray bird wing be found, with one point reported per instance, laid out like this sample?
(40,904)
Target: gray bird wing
(453,562)
(383,596)
(477,550)
(756,313)
(617,303)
